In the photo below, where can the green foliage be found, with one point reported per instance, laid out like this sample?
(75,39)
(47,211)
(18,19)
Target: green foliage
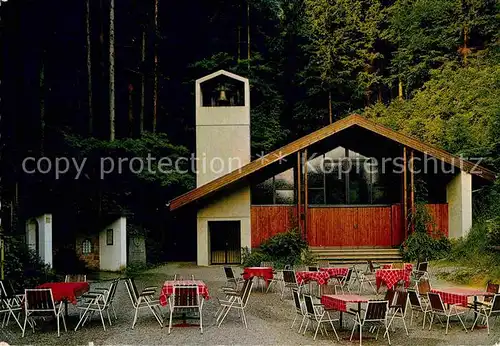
(426,242)
(283,248)
(23,266)
(287,246)
(457,110)
(150,148)
(421,246)
(493,235)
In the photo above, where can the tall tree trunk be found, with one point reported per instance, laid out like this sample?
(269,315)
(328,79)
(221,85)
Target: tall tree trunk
(42,105)
(143,84)
(248,33)
(130,111)
(89,69)
(239,43)
(400,89)
(330,112)
(155,83)
(112,70)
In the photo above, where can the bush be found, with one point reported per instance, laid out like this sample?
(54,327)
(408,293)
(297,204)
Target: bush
(493,231)
(253,258)
(421,246)
(281,249)
(23,266)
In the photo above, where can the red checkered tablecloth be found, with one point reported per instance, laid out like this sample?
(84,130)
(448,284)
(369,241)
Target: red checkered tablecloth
(320,277)
(339,301)
(335,271)
(168,289)
(391,276)
(408,267)
(264,272)
(457,295)
(68,291)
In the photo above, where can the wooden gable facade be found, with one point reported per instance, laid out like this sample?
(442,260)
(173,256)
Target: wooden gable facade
(364,209)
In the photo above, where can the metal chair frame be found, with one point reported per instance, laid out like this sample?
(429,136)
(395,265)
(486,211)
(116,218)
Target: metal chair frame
(41,301)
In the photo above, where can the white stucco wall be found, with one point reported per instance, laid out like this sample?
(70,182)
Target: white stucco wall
(233,207)
(222,146)
(45,238)
(114,257)
(459,197)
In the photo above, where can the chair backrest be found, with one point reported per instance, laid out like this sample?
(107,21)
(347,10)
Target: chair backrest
(296,299)
(247,289)
(75,278)
(495,304)
(423,286)
(267,264)
(414,299)
(312,268)
(422,266)
(39,299)
(7,288)
(229,273)
(308,301)
(401,300)
(491,288)
(436,302)
(134,287)
(187,296)
(389,296)
(371,267)
(376,310)
(132,290)
(110,297)
(289,277)
(348,275)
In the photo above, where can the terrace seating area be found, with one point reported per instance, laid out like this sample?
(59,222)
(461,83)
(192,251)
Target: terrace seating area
(322,303)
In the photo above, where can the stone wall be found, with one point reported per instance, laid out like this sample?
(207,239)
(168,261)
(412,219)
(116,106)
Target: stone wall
(92,259)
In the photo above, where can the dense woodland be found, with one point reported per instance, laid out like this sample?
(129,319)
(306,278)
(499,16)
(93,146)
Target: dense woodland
(96,78)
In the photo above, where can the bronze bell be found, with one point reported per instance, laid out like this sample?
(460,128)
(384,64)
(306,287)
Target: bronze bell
(222,95)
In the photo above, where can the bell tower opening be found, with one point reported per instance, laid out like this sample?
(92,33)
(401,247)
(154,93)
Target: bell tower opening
(222,91)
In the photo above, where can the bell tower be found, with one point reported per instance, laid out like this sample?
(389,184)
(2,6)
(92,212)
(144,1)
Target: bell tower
(222,146)
(222,125)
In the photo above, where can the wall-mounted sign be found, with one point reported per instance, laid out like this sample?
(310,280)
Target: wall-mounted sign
(109,236)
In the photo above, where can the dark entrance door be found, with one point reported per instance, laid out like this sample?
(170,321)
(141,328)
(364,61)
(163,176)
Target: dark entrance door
(225,242)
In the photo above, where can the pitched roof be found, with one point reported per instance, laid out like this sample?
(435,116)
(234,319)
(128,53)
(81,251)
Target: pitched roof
(316,136)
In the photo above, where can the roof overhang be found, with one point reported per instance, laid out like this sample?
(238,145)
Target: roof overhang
(315,137)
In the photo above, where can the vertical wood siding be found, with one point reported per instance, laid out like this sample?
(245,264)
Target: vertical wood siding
(439,213)
(270,220)
(341,226)
(349,226)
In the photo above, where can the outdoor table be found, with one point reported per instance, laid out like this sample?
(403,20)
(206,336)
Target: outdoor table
(168,289)
(266,273)
(391,276)
(320,277)
(66,291)
(339,302)
(407,266)
(335,272)
(460,295)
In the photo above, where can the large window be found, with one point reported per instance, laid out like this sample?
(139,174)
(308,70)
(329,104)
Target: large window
(342,176)
(275,190)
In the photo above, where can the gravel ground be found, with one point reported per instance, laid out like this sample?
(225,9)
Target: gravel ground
(268,317)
